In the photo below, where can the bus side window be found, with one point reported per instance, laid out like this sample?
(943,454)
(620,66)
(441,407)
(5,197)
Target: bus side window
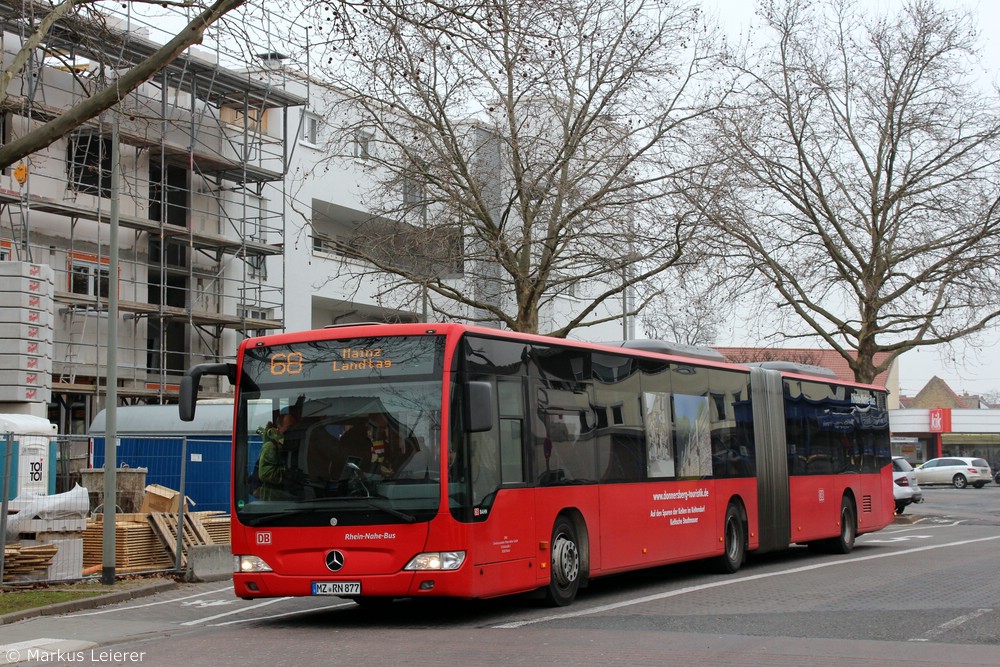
(511,451)
(485,472)
(510,394)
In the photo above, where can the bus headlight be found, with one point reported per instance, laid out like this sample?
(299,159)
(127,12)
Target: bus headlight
(247,564)
(437,560)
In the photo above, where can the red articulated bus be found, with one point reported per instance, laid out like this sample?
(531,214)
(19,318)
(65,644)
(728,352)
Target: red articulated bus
(452,460)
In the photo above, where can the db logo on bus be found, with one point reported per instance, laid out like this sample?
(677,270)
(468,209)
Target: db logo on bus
(263,538)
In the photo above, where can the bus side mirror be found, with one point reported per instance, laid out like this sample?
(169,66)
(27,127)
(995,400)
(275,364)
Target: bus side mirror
(189,386)
(478,406)
(187,399)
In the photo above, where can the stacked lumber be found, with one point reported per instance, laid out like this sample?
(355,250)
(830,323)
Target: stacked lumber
(137,548)
(216,525)
(25,562)
(146,541)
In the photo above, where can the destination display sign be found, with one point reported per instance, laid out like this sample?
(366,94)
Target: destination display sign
(349,359)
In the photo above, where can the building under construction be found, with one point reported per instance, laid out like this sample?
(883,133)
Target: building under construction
(201,157)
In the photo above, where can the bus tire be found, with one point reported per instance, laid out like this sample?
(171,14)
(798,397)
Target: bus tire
(734,538)
(565,564)
(844,544)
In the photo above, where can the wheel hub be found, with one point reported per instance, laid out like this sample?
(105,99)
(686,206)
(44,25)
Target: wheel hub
(565,561)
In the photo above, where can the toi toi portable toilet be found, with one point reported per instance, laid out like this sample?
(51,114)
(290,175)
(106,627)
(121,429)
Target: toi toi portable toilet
(152,437)
(32,457)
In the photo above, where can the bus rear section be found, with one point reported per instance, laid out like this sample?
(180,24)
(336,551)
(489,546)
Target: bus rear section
(824,474)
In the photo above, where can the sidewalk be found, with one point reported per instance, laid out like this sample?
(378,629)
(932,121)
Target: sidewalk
(113,596)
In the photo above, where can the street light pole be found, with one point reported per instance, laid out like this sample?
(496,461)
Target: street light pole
(111,411)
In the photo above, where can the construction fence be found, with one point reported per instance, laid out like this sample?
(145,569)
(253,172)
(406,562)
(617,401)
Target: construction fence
(171,493)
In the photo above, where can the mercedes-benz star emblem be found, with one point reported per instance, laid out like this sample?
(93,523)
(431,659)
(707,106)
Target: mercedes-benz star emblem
(335,561)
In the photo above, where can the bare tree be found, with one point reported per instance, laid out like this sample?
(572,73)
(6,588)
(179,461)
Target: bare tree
(991,398)
(686,308)
(757,355)
(82,22)
(860,177)
(520,150)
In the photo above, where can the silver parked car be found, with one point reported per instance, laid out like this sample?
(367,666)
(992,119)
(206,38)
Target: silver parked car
(959,471)
(905,489)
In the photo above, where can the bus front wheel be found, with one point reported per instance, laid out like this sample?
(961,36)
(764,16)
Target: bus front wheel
(565,564)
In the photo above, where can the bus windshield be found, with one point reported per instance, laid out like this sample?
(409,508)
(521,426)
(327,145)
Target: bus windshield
(342,431)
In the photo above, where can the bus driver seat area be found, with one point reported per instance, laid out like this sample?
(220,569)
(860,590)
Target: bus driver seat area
(320,448)
(371,442)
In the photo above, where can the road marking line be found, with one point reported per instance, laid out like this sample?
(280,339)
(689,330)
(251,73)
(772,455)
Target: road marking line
(728,582)
(151,604)
(914,527)
(284,614)
(235,611)
(951,625)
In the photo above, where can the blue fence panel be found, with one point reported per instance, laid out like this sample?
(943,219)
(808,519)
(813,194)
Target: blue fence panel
(208,465)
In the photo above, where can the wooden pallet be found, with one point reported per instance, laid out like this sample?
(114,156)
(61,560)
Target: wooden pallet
(22,561)
(217,525)
(165,526)
(137,548)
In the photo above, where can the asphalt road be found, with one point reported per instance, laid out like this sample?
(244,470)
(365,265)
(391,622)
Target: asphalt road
(924,591)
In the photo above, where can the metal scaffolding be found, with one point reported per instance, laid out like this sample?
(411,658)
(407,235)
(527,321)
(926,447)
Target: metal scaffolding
(204,158)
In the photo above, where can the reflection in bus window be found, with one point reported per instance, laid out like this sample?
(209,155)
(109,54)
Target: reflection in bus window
(511,406)
(831,431)
(566,451)
(692,436)
(659,438)
(485,468)
(732,425)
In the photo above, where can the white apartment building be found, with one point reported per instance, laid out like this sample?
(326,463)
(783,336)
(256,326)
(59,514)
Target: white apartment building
(327,285)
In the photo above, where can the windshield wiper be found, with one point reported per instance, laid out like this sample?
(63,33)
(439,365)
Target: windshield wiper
(408,518)
(291,511)
(367,502)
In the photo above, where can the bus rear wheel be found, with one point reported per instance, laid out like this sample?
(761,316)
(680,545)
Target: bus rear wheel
(565,564)
(844,544)
(734,536)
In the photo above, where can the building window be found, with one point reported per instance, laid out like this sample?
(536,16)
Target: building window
(310,130)
(5,250)
(338,245)
(89,164)
(254,119)
(363,145)
(257,267)
(414,199)
(254,313)
(89,275)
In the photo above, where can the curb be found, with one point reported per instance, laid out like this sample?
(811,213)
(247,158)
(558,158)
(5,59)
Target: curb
(88,602)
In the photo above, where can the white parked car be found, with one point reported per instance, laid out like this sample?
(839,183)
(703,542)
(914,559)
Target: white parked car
(905,489)
(959,471)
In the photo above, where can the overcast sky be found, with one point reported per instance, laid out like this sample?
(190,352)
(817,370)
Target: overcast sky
(975,370)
